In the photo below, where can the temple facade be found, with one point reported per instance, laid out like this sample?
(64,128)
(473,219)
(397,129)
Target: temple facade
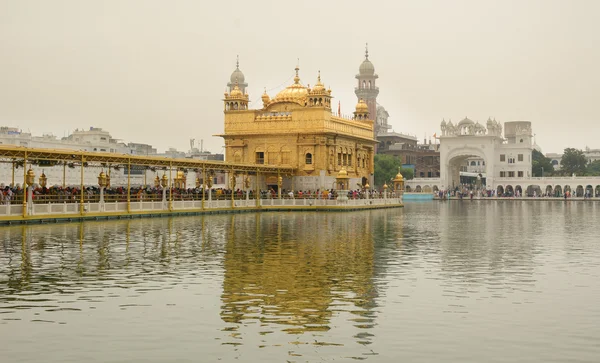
(297,128)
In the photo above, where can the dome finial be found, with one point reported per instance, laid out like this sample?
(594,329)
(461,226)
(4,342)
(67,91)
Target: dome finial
(366,50)
(297,78)
(319,76)
(237,62)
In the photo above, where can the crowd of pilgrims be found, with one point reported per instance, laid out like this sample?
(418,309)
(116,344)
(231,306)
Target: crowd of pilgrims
(59,194)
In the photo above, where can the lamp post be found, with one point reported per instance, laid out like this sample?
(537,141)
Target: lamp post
(279,185)
(385,186)
(30,179)
(399,184)
(209,184)
(43,180)
(341,180)
(367,186)
(163,183)
(247,185)
(102,182)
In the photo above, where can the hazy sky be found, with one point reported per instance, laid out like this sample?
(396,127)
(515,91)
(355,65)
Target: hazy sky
(155,71)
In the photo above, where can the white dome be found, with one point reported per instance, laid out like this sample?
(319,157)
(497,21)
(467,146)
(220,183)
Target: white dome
(237,76)
(366,68)
(465,121)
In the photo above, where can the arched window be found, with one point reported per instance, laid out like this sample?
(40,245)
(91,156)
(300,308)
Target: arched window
(308,158)
(369,84)
(364,84)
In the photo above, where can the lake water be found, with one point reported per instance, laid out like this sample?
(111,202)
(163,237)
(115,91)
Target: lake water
(481,281)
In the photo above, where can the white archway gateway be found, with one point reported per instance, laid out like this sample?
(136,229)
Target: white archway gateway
(454,158)
(502,155)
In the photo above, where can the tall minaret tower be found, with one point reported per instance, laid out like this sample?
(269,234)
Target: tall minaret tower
(237,77)
(367,90)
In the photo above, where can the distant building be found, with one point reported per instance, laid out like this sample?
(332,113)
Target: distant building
(591,154)
(424,158)
(555,160)
(503,158)
(93,140)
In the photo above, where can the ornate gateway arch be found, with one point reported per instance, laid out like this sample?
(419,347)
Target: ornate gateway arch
(501,155)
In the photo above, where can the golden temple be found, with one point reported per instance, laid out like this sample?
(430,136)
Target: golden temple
(297,128)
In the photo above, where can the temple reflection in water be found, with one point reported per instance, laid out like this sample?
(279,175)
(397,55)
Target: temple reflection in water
(281,269)
(292,272)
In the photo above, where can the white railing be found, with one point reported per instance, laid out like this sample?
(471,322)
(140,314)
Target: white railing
(69,209)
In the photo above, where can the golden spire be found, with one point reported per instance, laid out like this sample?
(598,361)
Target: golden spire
(319,86)
(265,96)
(297,78)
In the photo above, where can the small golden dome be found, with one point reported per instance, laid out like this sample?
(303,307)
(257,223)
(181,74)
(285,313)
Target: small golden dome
(361,107)
(319,87)
(398,177)
(265,97)
(180,174)
(102,175)
(342,173)
(236,92)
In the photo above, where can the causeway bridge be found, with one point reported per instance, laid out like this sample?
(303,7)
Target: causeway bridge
(249,188)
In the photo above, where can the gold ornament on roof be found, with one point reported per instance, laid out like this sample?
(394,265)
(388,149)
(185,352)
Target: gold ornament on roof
(362,107)
(236,92)
(318,88)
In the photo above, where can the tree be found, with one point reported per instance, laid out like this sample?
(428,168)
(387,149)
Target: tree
(386,168)
(573,162)
(593,168)
(540,165)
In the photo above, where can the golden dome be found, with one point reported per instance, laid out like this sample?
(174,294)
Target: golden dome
(265,97)
(235,92)
(293,93)
(398,177)
(342,173)
(180,174)
(361,107)
(319,87)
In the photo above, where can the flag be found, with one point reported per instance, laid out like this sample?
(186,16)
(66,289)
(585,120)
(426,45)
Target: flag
(339,109)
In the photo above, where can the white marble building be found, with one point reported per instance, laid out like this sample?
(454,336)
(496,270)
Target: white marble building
(500,156)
